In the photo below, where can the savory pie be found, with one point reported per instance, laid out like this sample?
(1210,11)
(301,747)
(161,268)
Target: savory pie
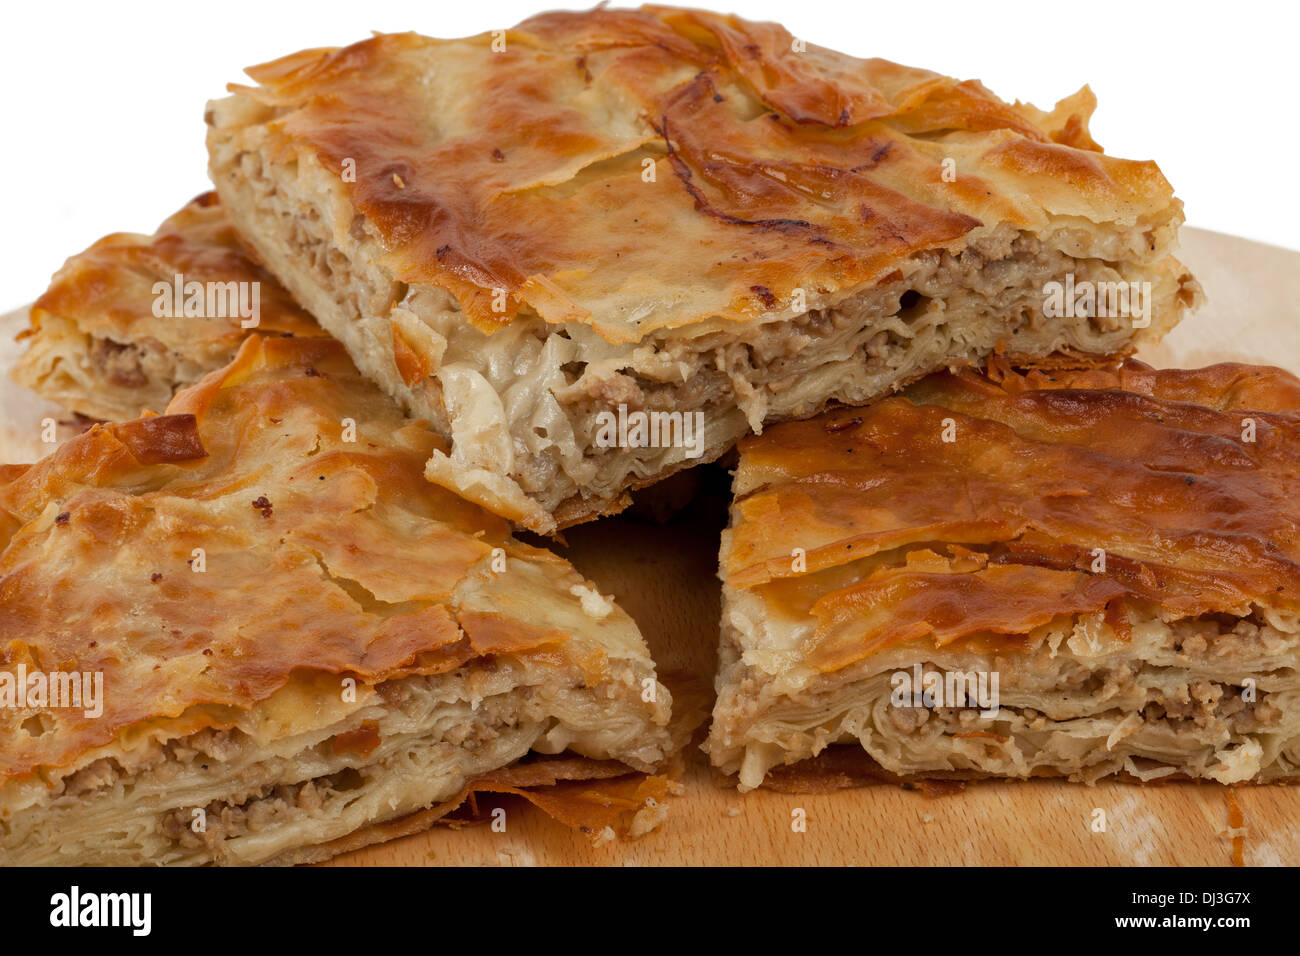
(110,337)
(1015,574)
(600,247)
(248,630)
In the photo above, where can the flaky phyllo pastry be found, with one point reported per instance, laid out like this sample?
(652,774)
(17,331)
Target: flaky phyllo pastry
(664,212)
(302,645)
(1091,573)
(111,338)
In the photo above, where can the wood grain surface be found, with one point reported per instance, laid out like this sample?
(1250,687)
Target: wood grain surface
(664,575)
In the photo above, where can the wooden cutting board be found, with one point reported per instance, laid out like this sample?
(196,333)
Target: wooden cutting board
(664,575)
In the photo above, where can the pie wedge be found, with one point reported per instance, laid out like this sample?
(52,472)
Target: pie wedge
(601,247)
(111,336)
(1087,572)
(248,630)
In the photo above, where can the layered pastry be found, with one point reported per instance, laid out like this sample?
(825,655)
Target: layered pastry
(248,630)
(1082,574)
(130,320)
(601,247)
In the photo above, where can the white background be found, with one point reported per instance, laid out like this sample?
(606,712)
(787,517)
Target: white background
(103,102)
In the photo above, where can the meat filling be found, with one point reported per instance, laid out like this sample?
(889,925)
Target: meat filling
(118,363)
(533,419)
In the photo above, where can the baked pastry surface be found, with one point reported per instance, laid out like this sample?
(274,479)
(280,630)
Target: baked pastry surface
(303,645)
(1118,548)
(96,345)
(672,212)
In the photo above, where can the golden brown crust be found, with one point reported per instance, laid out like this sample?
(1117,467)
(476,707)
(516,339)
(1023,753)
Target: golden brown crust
(105,287)
(321,553)
(776,167)
(1185,479)
(103,298)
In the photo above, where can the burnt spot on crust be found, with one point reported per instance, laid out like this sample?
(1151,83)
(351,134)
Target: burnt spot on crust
(263,504)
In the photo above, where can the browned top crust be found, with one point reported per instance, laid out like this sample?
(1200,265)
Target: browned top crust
(1185,479)
(322,554)
(107,289)
(710,165)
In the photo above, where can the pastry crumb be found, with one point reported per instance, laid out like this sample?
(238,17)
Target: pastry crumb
(594,604)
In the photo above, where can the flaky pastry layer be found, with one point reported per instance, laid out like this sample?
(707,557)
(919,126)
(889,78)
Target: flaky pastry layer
(97,343)
(670,211)
(1117,549)
(297,636)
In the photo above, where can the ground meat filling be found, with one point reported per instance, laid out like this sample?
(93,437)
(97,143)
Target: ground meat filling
(270,804)
(221,820)
(118,363)
(1201,704)
(1180,703)
(197,748)
(937,306)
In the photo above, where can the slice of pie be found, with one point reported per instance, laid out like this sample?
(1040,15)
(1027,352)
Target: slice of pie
(249,630)
(601,247)
(130,320)
(1013,575)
